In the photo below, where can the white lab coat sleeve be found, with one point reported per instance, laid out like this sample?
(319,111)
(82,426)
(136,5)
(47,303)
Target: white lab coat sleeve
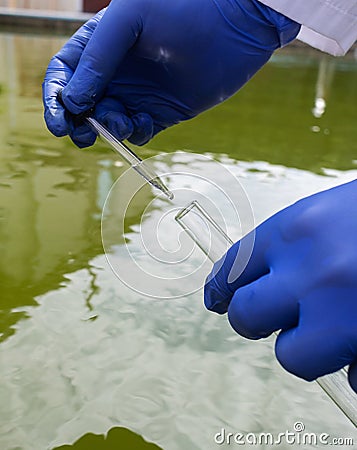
(329,25)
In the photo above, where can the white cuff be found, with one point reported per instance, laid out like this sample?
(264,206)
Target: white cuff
(329,25)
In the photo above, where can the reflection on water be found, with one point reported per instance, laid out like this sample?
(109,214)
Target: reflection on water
(81,352)
(323,84)
(127,439)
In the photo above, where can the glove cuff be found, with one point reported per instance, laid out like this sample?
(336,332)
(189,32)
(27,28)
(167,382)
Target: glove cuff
(257,25)
(287,28)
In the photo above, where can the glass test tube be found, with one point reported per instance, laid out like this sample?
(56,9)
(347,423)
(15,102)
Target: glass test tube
(214,242)
(204,231)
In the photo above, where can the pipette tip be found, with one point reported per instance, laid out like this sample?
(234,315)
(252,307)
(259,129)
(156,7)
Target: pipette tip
(158,183)
(170,195)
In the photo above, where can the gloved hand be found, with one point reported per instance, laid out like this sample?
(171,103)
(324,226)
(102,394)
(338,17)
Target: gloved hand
(146,65)
(302,279)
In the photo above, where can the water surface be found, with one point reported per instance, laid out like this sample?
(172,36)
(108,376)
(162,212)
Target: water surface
(82,353)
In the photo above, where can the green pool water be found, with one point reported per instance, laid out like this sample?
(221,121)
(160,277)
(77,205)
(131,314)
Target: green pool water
(85,353)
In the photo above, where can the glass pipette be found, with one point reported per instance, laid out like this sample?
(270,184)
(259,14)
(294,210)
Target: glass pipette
(141,167)
(214,242)
(130,157)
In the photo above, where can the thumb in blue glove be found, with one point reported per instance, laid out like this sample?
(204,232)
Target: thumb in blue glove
(301,279)
(145,66)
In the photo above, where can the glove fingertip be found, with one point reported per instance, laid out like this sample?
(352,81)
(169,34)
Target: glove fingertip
(217,294)
(352,376)
(83,137)
(77,100)
(213,299)
(56,124)
(290,355)
(143,129)
(118,123)
(83,144)
(240,320)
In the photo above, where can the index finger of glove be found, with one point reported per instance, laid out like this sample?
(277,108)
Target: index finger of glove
(115,34)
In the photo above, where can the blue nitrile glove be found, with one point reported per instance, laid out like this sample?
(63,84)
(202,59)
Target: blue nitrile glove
(146,65)
(302,279)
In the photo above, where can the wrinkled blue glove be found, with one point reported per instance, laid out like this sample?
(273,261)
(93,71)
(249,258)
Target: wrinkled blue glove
(146,65)
(301,278)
